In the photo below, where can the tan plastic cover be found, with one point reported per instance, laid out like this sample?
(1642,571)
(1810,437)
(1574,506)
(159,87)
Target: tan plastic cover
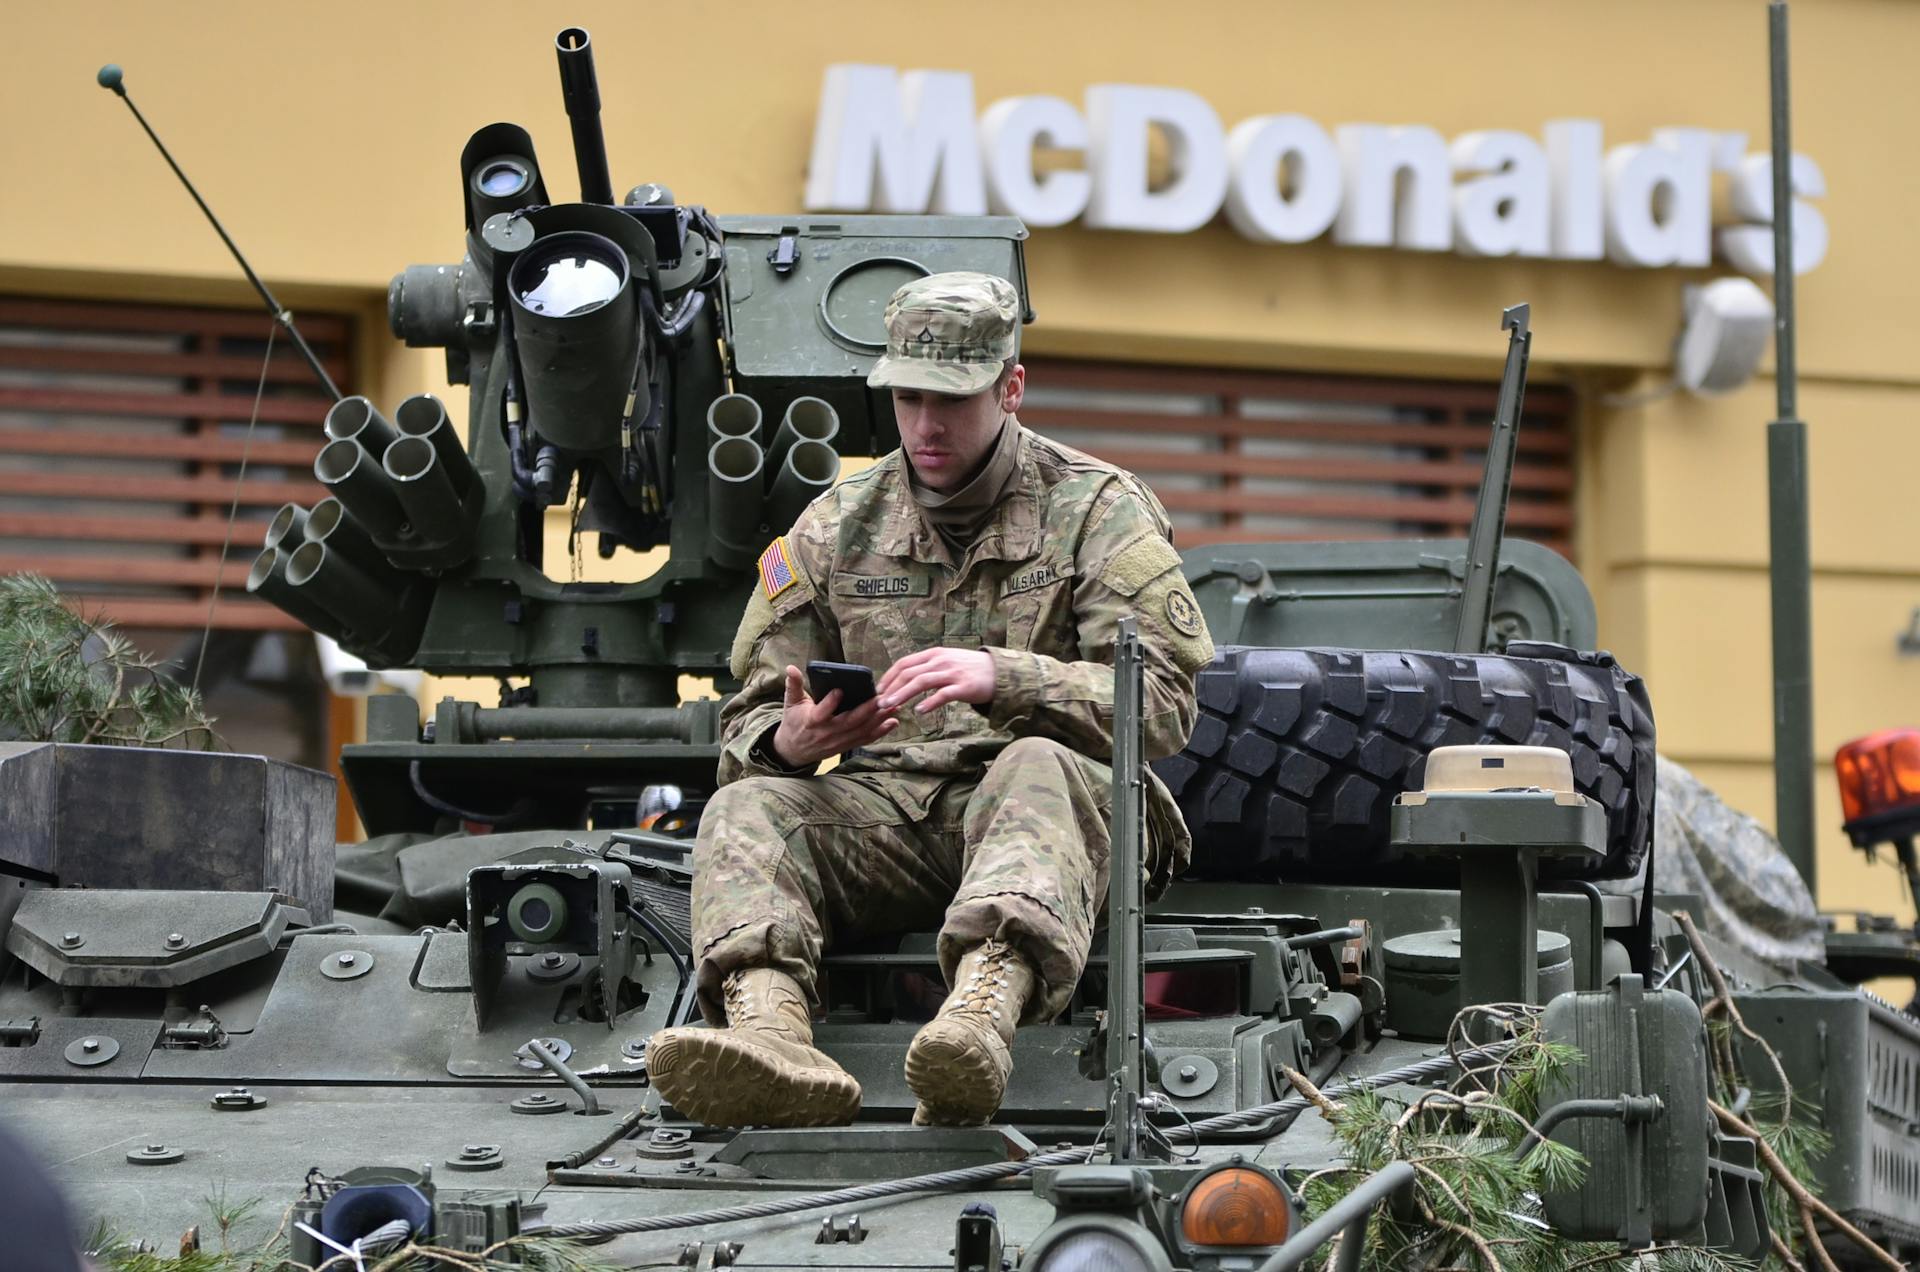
(1499,768)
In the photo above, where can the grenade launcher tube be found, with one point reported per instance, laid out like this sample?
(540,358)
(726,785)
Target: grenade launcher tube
(734,501)
(356,419)
(733,415)
(426,492)
(423,415)
(810,469)
(352,475)
(288,525)
(808,419)
(267,579)
(330,523)
(336,585)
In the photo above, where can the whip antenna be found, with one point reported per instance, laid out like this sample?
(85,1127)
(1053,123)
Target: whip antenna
(112,78)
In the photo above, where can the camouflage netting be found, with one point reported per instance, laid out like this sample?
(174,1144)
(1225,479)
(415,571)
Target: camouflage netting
(1750,894)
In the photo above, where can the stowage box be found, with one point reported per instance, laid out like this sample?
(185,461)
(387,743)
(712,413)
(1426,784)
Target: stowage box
(130,817)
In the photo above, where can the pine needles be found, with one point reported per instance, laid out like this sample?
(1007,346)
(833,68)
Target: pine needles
(1475,1202)
(67,678)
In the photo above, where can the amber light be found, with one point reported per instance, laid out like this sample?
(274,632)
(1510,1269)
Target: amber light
(1879,773)
(1236,1206)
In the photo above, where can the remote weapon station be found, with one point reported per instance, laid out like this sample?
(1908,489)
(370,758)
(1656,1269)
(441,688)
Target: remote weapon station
(1416,967)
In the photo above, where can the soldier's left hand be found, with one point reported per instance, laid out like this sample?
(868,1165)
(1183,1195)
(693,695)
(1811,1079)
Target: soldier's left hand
(944,675)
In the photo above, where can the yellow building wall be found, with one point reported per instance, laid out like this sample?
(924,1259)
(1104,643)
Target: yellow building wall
(327,139)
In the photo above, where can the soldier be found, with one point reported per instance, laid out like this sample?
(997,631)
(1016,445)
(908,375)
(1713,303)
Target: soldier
(981,571)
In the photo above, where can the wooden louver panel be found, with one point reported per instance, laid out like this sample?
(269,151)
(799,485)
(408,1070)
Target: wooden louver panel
(1246,456)
(121,431)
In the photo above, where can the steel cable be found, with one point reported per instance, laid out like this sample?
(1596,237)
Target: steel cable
(970,1176)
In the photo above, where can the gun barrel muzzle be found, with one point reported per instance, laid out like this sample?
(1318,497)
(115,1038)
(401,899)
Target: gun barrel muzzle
(352,475)
(734,501)
(580,91)
(809,470)
(356,419)
(733,415)
(423,415)
(807,419)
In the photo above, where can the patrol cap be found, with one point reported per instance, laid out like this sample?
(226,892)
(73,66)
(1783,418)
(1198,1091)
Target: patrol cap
(949,333)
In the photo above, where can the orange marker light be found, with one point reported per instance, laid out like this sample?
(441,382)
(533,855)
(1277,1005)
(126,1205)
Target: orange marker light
(1879,773)
(1236,1206)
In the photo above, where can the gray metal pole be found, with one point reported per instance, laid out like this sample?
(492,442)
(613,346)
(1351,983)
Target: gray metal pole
(1790,559)
(1126,905)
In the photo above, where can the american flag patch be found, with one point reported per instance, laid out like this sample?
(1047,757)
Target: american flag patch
(776,571)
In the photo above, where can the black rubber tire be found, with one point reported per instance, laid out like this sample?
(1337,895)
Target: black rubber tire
(1298,753)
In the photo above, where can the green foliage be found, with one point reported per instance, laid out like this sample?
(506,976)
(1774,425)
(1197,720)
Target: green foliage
(1475,1202)
(68,678)
(1788,1122)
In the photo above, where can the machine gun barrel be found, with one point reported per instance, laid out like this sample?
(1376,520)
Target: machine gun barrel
(580,89)
(1490,510)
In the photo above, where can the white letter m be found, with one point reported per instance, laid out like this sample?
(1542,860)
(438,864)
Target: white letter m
(887,142)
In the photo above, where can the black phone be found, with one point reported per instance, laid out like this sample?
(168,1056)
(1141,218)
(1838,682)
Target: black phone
(854,682)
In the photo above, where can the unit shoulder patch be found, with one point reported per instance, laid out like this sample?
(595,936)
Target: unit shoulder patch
(1183,613)
(1168,613)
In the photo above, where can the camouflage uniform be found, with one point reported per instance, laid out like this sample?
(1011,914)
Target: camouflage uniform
(988,821)
(994,817)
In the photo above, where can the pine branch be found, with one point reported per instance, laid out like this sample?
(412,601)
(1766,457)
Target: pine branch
(71,678)
(1803,1199)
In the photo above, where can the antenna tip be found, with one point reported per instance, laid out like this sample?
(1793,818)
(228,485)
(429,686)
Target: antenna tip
(112,77)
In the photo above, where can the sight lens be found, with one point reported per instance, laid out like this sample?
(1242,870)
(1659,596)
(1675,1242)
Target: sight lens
(501,180)
(571,279)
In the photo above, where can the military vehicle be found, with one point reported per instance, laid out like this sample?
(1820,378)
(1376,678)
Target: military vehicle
(1411,867)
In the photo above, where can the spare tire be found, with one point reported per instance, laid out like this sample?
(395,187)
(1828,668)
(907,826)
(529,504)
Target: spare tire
(1297,753)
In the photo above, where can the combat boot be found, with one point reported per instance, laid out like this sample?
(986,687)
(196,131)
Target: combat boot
(762,1069)
(960,1060)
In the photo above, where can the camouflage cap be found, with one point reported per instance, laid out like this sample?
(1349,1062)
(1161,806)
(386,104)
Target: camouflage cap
(949,333)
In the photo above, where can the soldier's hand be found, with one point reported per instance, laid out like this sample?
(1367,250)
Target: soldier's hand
(944,675)
(810,731)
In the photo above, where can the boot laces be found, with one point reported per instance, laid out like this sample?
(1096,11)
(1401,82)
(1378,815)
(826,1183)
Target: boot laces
(739,999)
(761,1013)
(983,991)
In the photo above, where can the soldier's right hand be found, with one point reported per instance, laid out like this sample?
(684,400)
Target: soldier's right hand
(810,731)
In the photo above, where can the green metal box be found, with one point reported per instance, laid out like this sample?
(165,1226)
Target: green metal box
(807,295)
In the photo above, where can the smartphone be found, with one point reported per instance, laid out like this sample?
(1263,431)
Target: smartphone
(854,682)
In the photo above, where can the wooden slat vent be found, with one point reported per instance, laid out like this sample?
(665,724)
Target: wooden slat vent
(1245,456)
(121,431)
